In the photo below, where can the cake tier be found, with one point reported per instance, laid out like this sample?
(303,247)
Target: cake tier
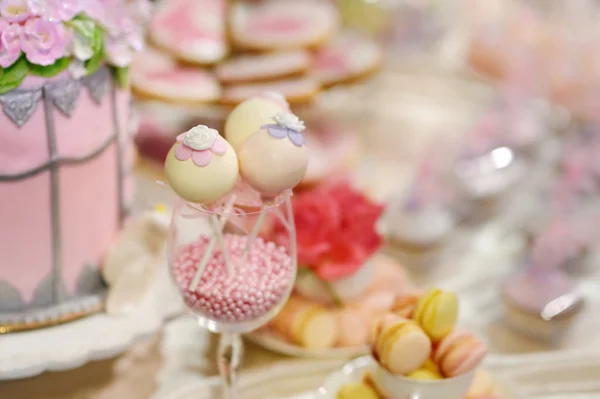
(65,185)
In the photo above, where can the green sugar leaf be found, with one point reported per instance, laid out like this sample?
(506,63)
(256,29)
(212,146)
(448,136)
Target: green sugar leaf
(50,70)
(13,76)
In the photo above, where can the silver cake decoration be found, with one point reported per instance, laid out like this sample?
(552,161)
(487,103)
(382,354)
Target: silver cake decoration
(89,281)
(46,292)
(64,95)
(10,299)
(20,105)
(97,85)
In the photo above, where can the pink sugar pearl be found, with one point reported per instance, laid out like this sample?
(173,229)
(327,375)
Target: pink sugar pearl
(250,293)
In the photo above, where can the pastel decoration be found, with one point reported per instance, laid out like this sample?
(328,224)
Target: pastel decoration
(275,158)
(201,167)
(199,144)
(248,117)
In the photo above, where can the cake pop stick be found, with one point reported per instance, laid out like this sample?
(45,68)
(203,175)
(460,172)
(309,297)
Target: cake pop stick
(272,160)
(217,226)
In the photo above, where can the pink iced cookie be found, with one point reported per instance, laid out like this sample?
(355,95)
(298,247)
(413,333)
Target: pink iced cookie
(459,353)
(191,30)
(261,67)
(295,90)
(157,76)
(254,289)
(348,58)
(280,24)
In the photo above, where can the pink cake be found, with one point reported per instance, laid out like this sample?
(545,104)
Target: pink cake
(66,154)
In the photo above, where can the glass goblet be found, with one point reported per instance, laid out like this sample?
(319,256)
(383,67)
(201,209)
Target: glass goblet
(233,275)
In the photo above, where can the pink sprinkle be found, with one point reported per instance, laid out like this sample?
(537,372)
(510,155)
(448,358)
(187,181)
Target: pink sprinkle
(252,292)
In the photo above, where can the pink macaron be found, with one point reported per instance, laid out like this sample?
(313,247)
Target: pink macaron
(459,353)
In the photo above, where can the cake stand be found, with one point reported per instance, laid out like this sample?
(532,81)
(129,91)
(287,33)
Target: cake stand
(100,336)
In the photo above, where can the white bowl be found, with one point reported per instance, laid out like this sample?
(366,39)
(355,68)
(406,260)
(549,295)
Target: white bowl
(355,371)
(399,387)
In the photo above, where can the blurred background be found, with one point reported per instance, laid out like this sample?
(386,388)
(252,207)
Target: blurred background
(473,124)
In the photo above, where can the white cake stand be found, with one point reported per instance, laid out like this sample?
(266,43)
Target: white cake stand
(100,336)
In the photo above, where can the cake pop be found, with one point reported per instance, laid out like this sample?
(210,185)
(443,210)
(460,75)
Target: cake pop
(275,158)
(249,116)
(201,167)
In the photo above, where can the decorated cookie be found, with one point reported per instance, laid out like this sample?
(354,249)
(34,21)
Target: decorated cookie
(280,24)
(191,30)
(261,67)
(275,158)
(295,90)
(157,76)
(201,167)
(348,58)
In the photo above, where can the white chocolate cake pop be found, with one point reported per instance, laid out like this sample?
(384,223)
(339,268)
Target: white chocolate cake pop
(275,157)
(250,115)
(201,167)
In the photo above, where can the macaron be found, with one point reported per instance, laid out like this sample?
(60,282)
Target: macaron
(353,328)
(405,304)
(425,375)
(306,324)
(401,346)
(459,353)
(357,390)
(437,312)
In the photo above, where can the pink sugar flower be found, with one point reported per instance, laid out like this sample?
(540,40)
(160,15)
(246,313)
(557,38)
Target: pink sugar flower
(55,10)
(124,38)
(10,43)
(200,143)
(43,42)
(14,10)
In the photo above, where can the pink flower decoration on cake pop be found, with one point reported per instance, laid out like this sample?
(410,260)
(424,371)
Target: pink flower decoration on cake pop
(10,43)
(200,143)
(14,10)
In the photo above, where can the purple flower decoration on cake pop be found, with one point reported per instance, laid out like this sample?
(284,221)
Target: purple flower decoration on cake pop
(200,143)
(287,125)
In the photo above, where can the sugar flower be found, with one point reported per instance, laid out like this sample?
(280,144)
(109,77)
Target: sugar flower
(55,10)
(10,43)
(43,41)
(200,143)
(124,38)
(287,125)
(14,10)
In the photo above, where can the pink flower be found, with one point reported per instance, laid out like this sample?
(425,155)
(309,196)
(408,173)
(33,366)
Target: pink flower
(96,10)
(55,10)
(14,10)
(318,219)
(10,43)
(124,38)
(43,42)
(200,143)
(331,240)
